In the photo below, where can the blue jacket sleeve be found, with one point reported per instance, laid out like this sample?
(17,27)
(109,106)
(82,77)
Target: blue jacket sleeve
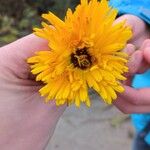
(140,8)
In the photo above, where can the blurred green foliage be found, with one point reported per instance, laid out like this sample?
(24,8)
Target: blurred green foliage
(18,17)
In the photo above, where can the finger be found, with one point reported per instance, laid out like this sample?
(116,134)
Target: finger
(129,49)
(136,96)
(128,108)
(129,80)
(145,44)
(135,62)
(17,53)
(26,46)
(145,63)
(146,53)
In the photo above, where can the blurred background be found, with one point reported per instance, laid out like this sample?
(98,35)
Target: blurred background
(18,17)
(100,127)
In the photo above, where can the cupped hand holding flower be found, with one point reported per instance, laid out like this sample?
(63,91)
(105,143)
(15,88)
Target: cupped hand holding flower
(26,122)
(136,100)
(133,100)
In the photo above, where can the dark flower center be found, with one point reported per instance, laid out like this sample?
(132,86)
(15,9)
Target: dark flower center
(81,59)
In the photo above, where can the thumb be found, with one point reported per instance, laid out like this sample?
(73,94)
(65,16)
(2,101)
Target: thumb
(25,47)
(13,56)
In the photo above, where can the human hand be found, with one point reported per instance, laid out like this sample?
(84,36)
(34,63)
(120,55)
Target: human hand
(26,122)
(139,28)
(136,100)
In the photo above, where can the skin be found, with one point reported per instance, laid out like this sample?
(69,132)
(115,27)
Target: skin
(139,29)
(27,123)
(136,100)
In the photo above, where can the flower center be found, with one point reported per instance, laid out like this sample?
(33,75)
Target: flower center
(81,59)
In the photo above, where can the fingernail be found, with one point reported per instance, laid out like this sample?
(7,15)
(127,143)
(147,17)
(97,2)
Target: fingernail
(130,49)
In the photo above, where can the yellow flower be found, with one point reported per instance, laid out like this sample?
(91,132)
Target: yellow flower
(85,52)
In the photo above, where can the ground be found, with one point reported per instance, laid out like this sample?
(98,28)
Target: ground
(101,127)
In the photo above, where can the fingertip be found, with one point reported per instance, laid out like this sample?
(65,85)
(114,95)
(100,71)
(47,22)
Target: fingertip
(146,53)
(145,44)
(132,46)
(129,49)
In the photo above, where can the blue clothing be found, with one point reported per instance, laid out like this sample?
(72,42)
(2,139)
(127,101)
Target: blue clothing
(139,142)
(141,120)
(140,8)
